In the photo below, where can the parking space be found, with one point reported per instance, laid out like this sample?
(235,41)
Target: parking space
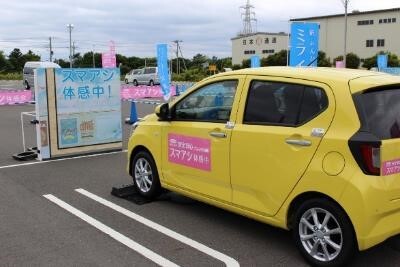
(45,221)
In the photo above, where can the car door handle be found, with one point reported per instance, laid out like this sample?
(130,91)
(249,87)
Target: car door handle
(218,134)
(298,142)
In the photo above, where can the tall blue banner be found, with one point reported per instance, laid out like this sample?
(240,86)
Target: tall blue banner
(382,61)
(162,64)
(255,62)
(304,40)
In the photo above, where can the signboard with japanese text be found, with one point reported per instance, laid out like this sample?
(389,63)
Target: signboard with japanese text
(304,40)
(88,106)
(163,73)
(190,151)
(78,111)
(255,61)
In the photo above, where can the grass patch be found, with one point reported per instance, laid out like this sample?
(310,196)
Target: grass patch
(10,76)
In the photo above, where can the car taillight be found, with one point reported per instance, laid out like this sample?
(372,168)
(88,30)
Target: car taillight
(371,159)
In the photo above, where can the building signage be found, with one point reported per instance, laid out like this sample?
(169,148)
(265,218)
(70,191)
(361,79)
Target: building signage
(304,40)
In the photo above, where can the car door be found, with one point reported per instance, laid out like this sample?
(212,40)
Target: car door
(196,141)
(279,127)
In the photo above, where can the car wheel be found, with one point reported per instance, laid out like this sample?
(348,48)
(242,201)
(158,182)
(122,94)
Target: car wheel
(323,233)
(145,175)
(135,83)
(126,81)
(151,83)
(26,85)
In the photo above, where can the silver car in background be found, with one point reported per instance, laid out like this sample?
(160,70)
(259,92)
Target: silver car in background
(147,76)
(29,68)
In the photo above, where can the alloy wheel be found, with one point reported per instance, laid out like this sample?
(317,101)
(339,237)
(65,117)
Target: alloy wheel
(143,175)
(320,234)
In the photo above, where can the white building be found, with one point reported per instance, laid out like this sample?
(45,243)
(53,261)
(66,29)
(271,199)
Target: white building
(262,44)
(368,32)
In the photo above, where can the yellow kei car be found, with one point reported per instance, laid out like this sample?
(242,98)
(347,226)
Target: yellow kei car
(312,150)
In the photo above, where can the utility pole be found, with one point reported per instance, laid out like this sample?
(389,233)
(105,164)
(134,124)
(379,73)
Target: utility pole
(73,52)
(345,4)
(177,55)
(94,65)
(51,50)
(70,27)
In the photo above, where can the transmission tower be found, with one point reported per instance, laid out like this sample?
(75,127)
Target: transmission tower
(249,18)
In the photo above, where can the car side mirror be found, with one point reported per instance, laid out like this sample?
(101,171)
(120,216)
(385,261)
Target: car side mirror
(162,111)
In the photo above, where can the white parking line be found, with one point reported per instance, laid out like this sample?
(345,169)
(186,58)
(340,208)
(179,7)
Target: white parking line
(62,159)
(230,262)
(114,234)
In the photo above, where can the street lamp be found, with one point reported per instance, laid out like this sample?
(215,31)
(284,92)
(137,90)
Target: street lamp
(70,27)
(345,4)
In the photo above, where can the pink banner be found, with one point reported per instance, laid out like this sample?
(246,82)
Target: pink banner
(108,60)
(8,97)
(137,92)
(189,151)
(391,167)
(339,64)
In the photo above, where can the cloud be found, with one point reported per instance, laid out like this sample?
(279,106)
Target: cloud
(205,26)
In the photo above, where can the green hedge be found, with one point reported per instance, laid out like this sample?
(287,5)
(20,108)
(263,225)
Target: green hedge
(10,76)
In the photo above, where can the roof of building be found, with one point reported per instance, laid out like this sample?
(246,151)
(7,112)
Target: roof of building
(354,13)
(258,33)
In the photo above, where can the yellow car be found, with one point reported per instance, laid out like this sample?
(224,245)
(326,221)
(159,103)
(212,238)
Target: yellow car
(312,150)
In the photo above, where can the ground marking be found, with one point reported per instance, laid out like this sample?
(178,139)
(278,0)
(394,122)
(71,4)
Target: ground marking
(53,160)
(112,233)
(230,262)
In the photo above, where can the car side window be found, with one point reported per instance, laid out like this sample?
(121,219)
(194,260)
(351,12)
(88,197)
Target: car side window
(285,104)
(211,103)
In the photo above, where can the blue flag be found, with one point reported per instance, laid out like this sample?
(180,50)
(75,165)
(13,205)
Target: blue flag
(162,64)
(304,38)
(382,61)
(255,61)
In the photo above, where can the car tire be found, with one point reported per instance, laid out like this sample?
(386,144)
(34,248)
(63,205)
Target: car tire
(26,85)
(151,83)
(135,83)
(323,233)
(126,81)
(145,175)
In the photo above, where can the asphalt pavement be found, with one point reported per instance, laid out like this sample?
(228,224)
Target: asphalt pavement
(45,221)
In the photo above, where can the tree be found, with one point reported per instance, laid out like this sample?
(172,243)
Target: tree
(393,60)
(322,60)
(16,60)
(277,59)
(246,63)
(30,56)
(4,64)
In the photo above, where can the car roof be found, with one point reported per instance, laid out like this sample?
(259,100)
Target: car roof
(42,64)
(360,79)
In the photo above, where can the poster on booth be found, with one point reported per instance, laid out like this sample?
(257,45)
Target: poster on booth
(41,110)
(88,107)
(304,40)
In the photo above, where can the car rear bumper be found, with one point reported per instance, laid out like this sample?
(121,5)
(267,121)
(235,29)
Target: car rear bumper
(373,210)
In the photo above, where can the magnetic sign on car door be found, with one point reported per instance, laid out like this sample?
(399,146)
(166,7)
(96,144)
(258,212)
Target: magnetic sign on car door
(189,151)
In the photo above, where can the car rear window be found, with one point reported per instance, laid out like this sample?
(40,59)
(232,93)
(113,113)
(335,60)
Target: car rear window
(379,112)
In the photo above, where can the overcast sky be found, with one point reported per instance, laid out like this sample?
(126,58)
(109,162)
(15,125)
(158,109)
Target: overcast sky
(136,26)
